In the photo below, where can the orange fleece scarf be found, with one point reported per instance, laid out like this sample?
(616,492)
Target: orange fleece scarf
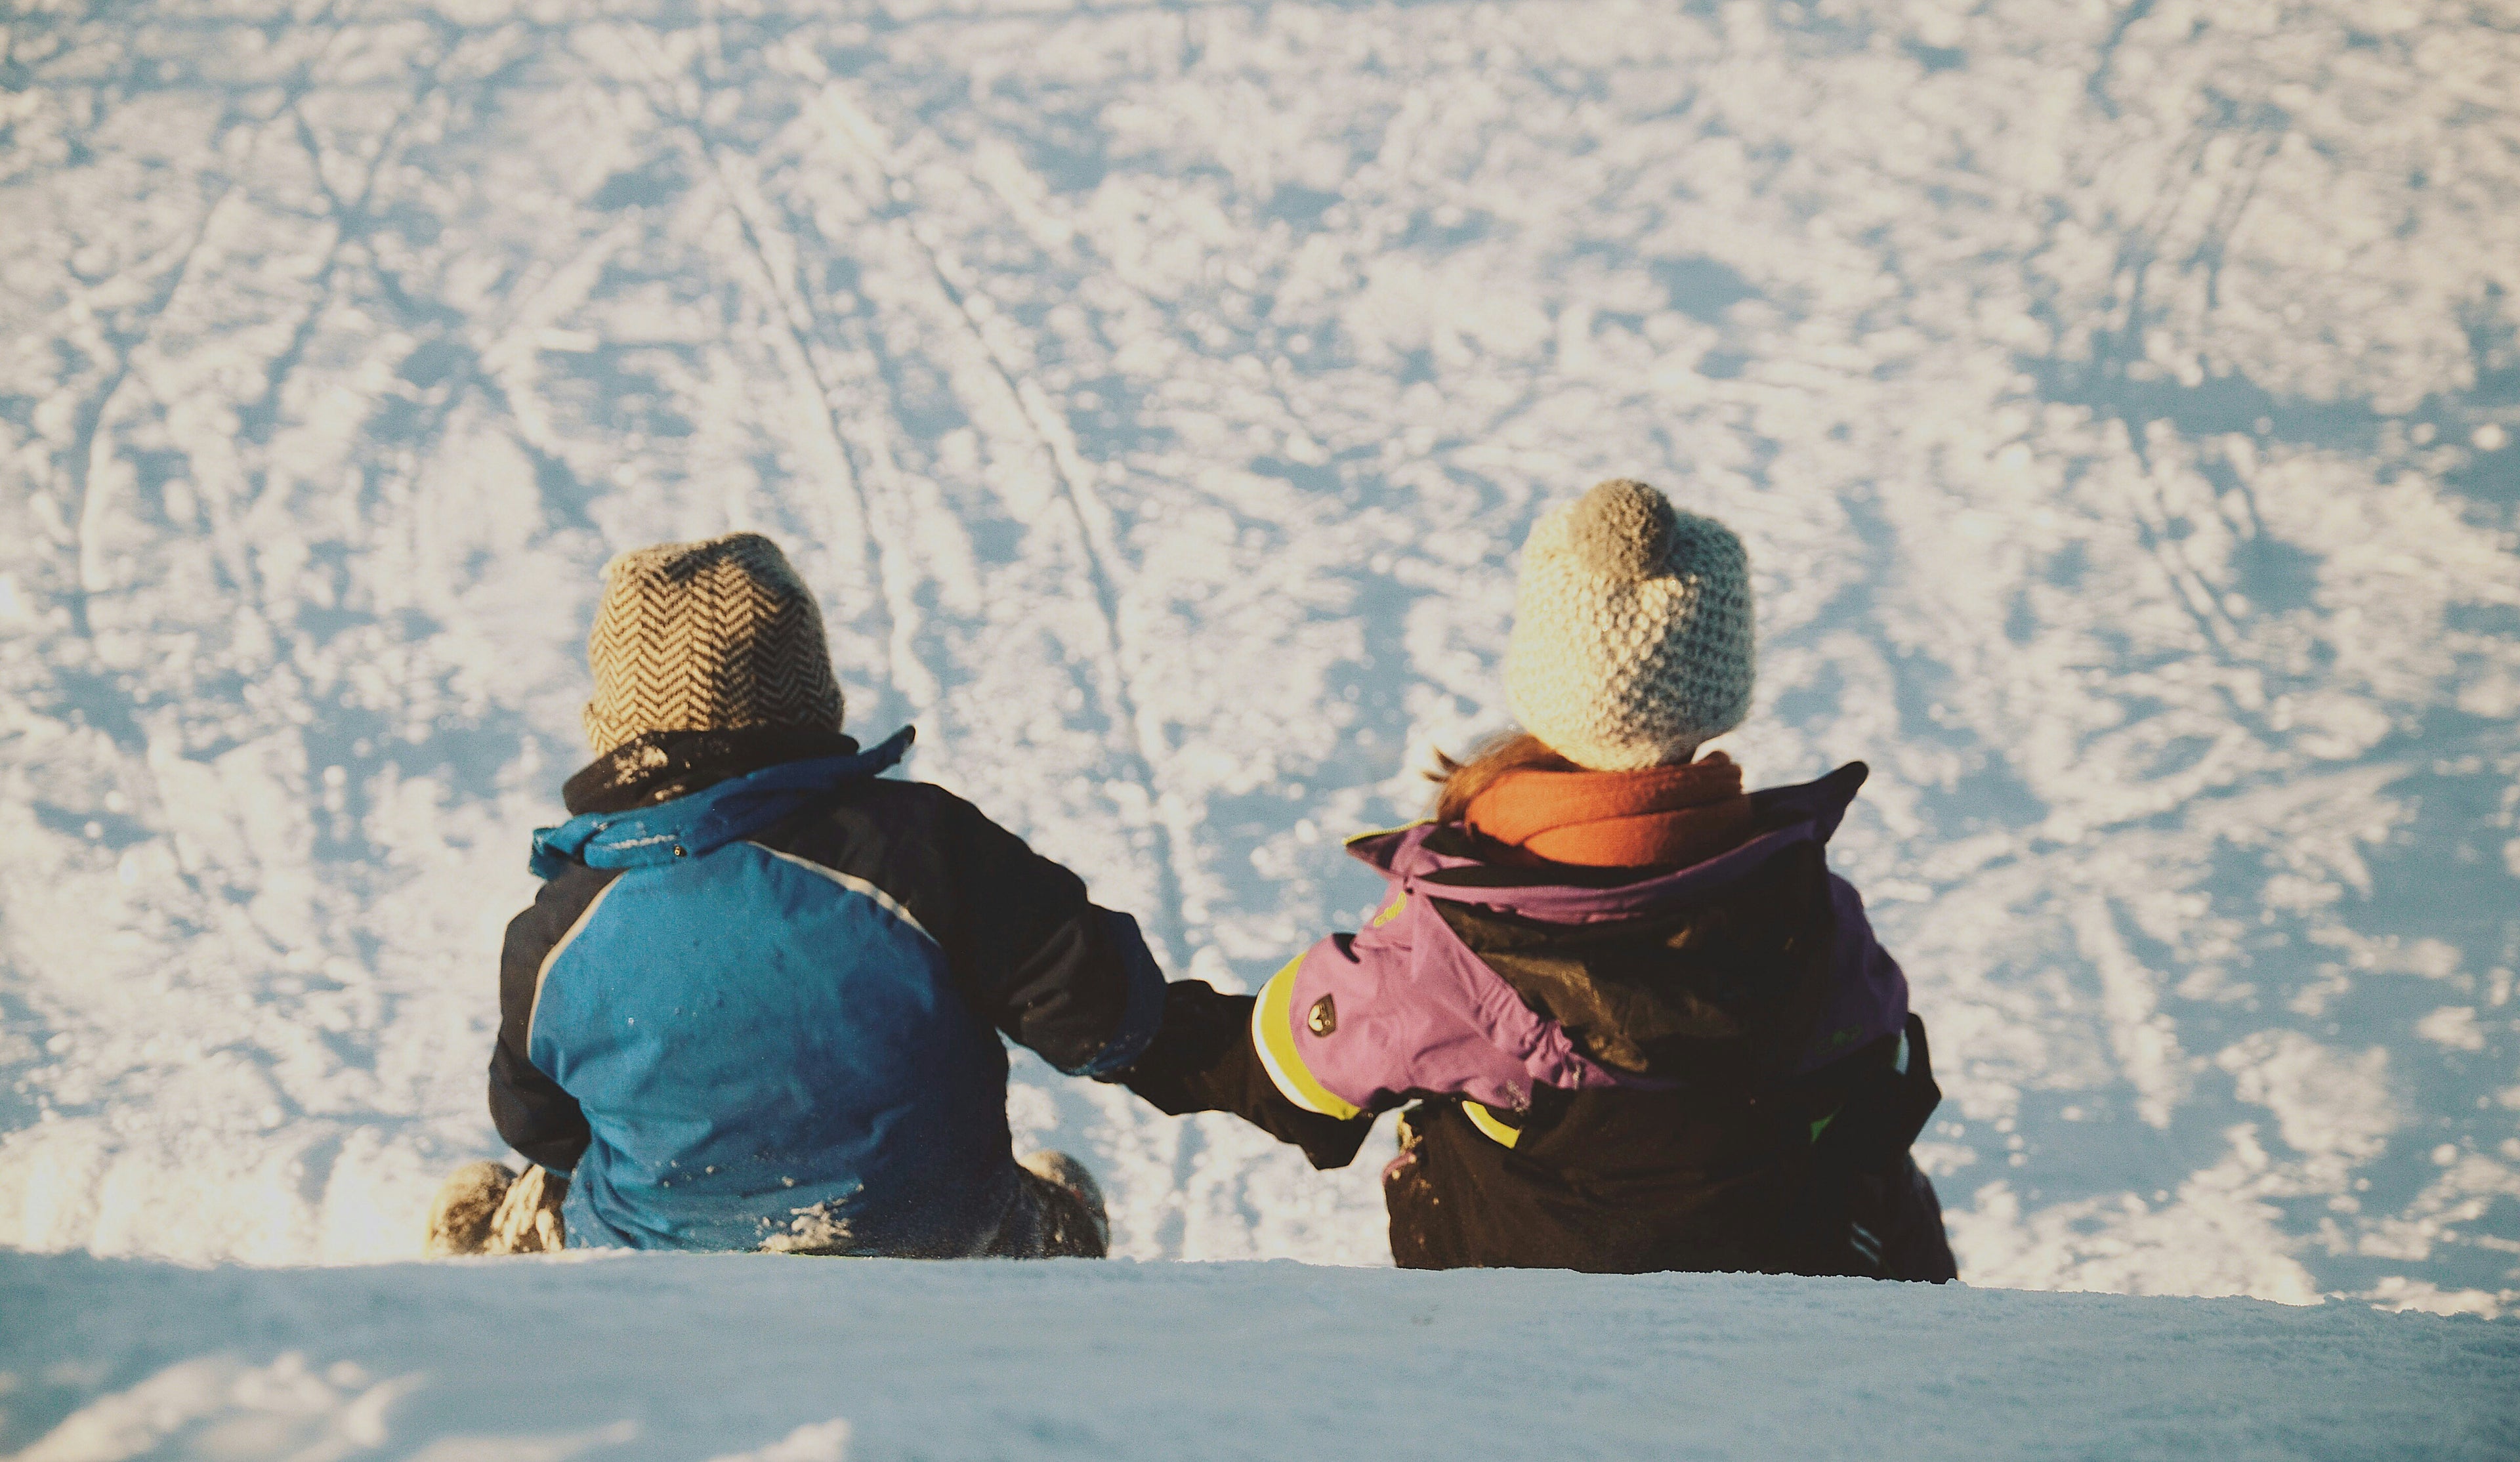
(1662,816)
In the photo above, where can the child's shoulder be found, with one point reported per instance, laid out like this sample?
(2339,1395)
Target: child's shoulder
(899,812)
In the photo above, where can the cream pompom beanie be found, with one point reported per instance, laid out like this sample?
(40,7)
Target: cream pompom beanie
(1632,630)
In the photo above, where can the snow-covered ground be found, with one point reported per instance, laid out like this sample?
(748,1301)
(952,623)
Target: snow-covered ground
(2121,404)
(762,1358)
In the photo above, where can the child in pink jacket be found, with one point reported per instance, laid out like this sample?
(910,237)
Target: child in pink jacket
(1635,1020)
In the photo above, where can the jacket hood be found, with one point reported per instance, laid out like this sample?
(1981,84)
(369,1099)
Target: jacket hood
(1492,980)
(708,819)
(1448,868)
(1729,972)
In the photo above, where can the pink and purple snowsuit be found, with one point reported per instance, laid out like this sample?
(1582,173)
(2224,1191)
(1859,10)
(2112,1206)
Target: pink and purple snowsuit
(1711,1067)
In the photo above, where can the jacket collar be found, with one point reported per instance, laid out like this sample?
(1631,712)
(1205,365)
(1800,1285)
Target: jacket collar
(703,821)
(662,765)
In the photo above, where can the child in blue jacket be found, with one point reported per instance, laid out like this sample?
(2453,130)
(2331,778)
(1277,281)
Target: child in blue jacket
(757,1000)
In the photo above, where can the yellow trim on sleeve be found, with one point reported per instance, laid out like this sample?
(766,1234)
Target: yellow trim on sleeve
(1399,903)
(1273,1034)
(1486,1121)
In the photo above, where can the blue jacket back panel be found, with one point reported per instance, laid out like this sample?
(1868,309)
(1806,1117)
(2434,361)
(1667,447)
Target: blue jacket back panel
(729,1029)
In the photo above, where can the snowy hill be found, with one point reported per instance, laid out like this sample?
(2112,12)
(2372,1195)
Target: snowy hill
(2121,404)
(760,1359)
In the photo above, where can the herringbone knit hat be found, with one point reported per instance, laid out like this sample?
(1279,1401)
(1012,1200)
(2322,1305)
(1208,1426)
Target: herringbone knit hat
(1632,630)
(706,635)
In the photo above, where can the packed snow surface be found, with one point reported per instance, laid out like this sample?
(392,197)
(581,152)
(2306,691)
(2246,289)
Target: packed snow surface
(2120,402)
(763,1359)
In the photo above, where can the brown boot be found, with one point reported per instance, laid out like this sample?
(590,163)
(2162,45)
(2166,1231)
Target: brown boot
(467,1204)
(485,1208)
(528,1217)
(1072,1180)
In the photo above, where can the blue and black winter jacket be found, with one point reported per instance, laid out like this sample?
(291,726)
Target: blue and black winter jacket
(753,1005)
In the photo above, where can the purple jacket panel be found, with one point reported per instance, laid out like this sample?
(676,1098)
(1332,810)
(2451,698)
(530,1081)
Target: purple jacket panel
(1417,1010)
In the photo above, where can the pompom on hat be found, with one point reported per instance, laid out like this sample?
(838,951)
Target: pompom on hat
(709,636)
(1632,630)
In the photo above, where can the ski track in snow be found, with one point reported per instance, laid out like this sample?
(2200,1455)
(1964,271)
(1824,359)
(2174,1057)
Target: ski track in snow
(2121,404)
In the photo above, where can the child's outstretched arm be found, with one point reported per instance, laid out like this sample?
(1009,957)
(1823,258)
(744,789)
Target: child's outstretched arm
(1033,956)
